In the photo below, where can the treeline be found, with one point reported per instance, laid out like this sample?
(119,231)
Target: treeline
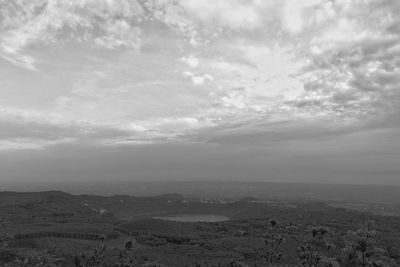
(153,239)
(85,236)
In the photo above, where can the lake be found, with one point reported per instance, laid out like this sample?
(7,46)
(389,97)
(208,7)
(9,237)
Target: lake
(194,218)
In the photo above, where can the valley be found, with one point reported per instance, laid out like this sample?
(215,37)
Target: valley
(174,230)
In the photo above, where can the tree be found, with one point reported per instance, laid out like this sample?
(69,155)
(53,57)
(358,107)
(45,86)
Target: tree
(310,254)
(4,237)
(125,256)
(92,258)
(361,248)
(45,258)
(273,243)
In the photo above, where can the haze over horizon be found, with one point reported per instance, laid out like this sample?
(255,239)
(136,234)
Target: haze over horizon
(165,90)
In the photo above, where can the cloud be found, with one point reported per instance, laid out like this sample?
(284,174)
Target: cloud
(118,34)
(140,72)
(234,99)
(106,23)
(293,14)
(343,76)
(20,60)
(198,80)
(235,14)
(29,144)
(27,129)
(191,61)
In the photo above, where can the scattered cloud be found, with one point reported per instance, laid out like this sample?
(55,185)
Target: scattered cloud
(118,34)
(236,14)
(198,79)
(105,23)
(191,61)
(137,72)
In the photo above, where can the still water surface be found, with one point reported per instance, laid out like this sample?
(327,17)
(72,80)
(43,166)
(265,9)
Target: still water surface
(194,218)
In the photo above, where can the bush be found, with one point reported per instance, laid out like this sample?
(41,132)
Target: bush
(7,256)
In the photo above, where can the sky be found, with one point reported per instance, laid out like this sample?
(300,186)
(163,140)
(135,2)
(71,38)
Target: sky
(248,90)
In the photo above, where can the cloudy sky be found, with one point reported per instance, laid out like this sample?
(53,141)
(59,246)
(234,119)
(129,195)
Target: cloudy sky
(268,90)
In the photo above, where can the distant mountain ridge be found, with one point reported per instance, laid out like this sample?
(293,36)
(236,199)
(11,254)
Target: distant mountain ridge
(226,189)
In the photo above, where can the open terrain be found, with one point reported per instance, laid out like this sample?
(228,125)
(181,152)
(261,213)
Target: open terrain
(62,229)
